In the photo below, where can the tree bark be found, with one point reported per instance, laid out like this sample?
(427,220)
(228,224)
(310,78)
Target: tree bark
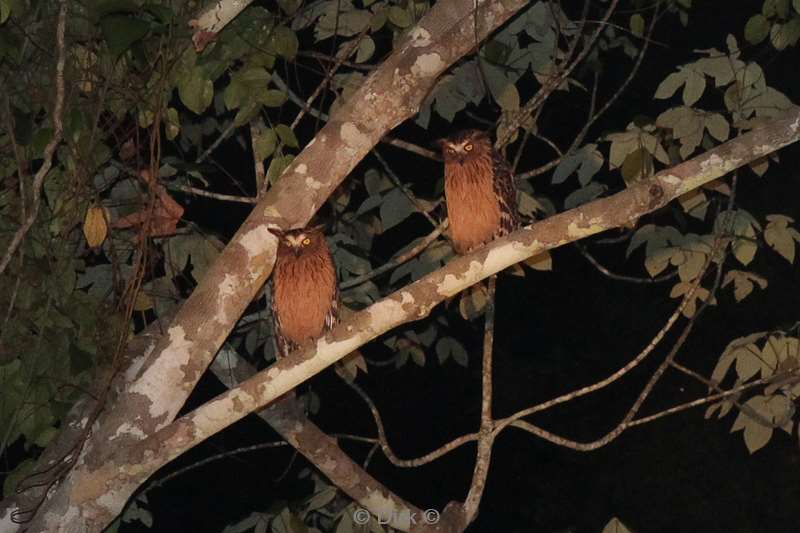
(111,465)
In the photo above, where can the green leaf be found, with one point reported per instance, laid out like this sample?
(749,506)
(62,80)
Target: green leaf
(748,363)
(375,182)
(637,165)
(528,205)
(586,194)
(365,49)
(286,135)
(657,262)
(284,42)
(796,5)
(370,203)
(473,302)
(396,207)
(272,97)
(277,166)
(399,17)
(743,283)
(732,352)
(122,31)
(202,249)
(622,144)
(694,203)
(756,29)
(636,24)
(670,84)
(342,18)
(195,91)
(264,144)
(718,127)
(694,88)
(756,435)
(615,525)
(779,36)
(246,113)
(449,347)
(5,10)
(172,123)
(502,87)
(744,228)
(781,237)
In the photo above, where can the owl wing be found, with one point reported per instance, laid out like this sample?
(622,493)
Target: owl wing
(332,316)
(506,193)
(282,344)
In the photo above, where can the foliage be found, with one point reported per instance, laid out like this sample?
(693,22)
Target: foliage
(111,248)
(771,357)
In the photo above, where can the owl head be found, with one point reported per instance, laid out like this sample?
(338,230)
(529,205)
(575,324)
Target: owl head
(465,146)
(300,241)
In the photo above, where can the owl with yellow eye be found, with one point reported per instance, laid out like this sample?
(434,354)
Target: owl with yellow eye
(479,190)
(305,292)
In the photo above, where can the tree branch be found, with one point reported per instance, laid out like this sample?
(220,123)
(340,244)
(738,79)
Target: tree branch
(49,150)
(417,299)
(161,381)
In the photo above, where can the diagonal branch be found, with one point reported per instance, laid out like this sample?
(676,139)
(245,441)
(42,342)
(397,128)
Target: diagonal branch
(320,449)
(417,299)
(50,149)
(161,381)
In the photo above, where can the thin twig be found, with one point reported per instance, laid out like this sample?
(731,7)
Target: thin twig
(397,261)
(594,116)
(58,131)
(746,409)
(486,439)
(208,194)
(256,127)
(621,277)
(403,188)
(332,59)
(221,137)
(551,84)
(713,398)
(329,75)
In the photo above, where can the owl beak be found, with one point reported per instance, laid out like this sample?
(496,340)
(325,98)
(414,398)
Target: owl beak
(296,251)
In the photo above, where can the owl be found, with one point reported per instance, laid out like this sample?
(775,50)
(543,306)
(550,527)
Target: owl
(305,292)
(479,190)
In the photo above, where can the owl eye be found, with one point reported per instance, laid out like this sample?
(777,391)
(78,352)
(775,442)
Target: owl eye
(451,151)
(306,241)
(468,147)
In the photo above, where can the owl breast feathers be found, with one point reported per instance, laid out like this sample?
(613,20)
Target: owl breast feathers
(305,293)
(479,190)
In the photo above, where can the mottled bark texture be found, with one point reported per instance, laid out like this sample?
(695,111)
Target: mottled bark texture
(112,464)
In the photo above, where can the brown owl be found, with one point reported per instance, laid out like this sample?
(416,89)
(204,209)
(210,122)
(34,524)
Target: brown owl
(305,292)
(479,190)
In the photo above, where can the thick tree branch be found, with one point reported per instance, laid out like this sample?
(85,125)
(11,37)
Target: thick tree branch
(320,449)
(417,299)
(161,381)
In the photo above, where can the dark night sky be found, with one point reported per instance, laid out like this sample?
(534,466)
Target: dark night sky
(555,331)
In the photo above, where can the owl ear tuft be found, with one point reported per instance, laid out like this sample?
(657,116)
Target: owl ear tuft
(480,134)
(318,228)
(279,233)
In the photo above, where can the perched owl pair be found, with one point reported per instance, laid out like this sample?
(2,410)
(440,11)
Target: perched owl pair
(481,205)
